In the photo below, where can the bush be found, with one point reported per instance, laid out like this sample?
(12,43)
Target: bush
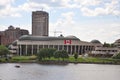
(76,56)
(61,54)
(45,53)
(117,56)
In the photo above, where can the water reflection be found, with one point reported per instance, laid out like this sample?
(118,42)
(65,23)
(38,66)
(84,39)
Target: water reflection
(33,71)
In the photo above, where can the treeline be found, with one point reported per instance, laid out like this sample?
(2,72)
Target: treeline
(50,52)
(4,51)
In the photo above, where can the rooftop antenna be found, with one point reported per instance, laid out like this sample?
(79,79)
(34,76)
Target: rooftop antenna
(55,32)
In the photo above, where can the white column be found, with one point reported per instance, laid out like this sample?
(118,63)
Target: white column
(75,49)
(20,51)
(17,49)
(26,49)
(32,49)
(81,49)
(53,46)
(71,49)
(67,48)
(78,49)
(43,46)
(37,48)
(63,47)
(85,49)
(58,47)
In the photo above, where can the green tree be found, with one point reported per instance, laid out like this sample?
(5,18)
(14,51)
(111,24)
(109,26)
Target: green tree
(117,56)
(76,56)
(45,53)
(61,54)
(4,51)
(64,54)
(50,52)
(42,54)
(57,54)
(106,44)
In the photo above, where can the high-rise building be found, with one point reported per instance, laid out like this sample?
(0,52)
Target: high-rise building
(40,23)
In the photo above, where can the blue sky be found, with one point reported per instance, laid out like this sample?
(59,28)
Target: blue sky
(85,19)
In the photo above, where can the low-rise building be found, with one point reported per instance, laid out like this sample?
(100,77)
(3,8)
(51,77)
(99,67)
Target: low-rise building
(11,34)
(117,43)
(105,51)
(30,45)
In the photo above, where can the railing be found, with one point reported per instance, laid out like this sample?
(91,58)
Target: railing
(100,52)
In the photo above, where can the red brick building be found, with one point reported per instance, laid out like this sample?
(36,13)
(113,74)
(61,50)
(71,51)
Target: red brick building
(11,34)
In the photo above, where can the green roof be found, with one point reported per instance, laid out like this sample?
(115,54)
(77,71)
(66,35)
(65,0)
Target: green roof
(46,38)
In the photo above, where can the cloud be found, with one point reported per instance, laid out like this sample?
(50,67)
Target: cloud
(6,9)
(31,6)
(64,24)
(87,7)
(108,8)
(105,32)
(4,2)
(88,2)
(9,11)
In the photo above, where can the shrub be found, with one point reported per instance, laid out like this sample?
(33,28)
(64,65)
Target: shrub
(117,56)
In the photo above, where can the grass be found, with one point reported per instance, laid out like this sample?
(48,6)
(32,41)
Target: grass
(70,59)
(23,59)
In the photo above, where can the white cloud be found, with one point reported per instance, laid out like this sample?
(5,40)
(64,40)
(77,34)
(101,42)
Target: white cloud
(6,9)
(64,24)
(31,6)
(107,8)
(87,7)
(88,2)
(6,2)
(9,11)
(102,31)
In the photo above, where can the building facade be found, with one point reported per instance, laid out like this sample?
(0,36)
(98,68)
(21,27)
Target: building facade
(40,23)
(11,34)
(106,50)
(117,43)
(30,45)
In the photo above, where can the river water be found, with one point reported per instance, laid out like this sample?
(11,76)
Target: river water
(34,71)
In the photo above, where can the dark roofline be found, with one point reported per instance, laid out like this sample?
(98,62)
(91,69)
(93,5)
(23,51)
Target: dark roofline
(45,38)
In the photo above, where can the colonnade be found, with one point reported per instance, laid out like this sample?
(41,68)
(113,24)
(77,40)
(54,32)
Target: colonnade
(71,49)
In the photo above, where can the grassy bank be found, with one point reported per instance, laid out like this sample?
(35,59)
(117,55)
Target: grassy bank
(19,59)
(69,60)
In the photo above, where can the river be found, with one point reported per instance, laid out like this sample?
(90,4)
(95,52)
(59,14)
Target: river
(34,71)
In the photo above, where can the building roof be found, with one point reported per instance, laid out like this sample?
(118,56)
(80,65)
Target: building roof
(117,41)
(96,41)
(46,38)
(40,12)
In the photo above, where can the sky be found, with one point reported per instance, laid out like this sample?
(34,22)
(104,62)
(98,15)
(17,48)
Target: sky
(85,19)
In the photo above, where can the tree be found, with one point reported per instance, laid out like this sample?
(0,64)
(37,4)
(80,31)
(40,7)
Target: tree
(3,51)
(64,54)
(50,52)
(61,54)
(106,44)
(76,56)
(117,56)
(45,53)
(57,54)
(42,54)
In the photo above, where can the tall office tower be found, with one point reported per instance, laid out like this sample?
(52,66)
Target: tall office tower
(40,22)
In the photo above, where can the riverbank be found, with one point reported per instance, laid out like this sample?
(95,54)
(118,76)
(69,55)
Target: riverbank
(33,59)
